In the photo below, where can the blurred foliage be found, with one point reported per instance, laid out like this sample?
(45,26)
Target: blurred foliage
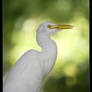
(20,21)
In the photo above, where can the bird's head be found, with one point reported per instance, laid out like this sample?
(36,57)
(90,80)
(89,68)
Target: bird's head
(48,28)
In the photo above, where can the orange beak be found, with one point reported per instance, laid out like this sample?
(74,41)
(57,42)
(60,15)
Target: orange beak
(59,27)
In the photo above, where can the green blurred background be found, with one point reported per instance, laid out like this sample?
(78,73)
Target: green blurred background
(20,21)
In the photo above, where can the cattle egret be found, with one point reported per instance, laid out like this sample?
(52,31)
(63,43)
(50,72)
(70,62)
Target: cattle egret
(31,68)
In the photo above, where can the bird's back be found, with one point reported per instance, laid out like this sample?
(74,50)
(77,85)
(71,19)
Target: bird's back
(25,76)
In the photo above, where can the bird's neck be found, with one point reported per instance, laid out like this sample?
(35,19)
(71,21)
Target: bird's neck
(49,52)
(46,44)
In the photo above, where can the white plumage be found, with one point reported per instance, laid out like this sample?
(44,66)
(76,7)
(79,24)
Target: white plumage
(27,74)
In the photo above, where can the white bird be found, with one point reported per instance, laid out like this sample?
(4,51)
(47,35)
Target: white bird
(29,71)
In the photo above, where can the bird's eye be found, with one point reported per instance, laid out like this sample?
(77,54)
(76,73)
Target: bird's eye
(49,26)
